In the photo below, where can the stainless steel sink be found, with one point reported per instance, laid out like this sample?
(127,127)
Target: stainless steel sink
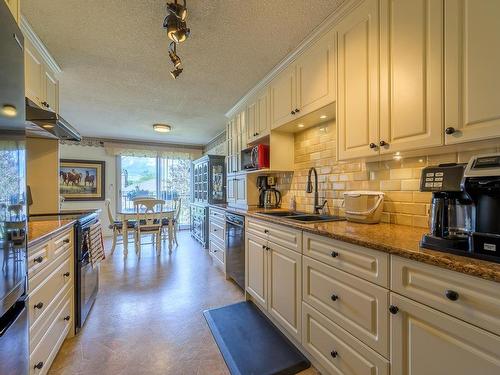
(303,217)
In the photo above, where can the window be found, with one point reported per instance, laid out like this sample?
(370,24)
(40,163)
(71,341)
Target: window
(160,177)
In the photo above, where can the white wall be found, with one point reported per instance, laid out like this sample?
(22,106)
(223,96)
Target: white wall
(94,153)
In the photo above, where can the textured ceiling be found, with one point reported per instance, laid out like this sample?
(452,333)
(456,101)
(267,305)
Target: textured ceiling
(113,53)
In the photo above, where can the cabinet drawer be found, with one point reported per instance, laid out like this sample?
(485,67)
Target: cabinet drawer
(279,234)
(47,349)
(216,250)
(335,349)
(217,230)
(44,294)
(366,263)
(356,305)
(41,326)
(38,257)
(40,277)
(217,214)
(63,243)
(477,301)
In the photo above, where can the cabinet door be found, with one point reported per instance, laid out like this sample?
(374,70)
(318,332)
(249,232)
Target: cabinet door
(13,6)
(472,58)
(33,66)
(242,125)
(252,128)
(358,81)
(51,90)
(283,97)
(231,190)
(264,115)
(241,190)
(316,75)
(411,74)
(285,278)
(256,269)
(427,342)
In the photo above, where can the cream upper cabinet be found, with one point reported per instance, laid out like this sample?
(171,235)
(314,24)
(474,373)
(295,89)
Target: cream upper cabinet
(51,90)
(231,190)
(283,97)
(472,80)
(358,81)
(256,268)
(14,8)
(427,342)
(411,84)
(252,125)
(258,117)
(285,283)
(315,70)
(241,190)
(34,71)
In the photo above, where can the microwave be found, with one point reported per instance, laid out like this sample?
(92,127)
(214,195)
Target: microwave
(255,157)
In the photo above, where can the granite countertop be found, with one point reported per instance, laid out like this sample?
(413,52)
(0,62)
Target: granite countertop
(39,231)
(395,239)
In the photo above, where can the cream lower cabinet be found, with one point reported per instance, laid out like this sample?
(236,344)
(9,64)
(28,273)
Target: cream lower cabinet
(428,342)
(472,58)
(273,280)
(217,236)
(51,298)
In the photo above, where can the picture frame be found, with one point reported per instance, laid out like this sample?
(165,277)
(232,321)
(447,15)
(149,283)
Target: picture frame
(82,180)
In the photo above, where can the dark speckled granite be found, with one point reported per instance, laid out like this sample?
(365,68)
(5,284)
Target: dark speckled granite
(395,239)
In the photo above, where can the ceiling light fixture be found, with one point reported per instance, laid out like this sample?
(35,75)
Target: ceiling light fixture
(300,125)
(176,72)
(172,53)
(323,117)
(162,128)
(9,110)
(180,11)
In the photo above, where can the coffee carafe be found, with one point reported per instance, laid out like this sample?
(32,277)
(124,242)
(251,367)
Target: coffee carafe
(269,197)
(450,220)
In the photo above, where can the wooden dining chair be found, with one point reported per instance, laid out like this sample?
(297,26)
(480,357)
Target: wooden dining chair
(117,226)
(174,217)
(148,221)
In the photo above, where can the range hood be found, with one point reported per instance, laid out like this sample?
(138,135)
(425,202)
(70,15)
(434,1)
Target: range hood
(47,124)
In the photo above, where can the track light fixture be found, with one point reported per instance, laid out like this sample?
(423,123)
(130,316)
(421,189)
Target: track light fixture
(177,31)
(172,53)
(176,72)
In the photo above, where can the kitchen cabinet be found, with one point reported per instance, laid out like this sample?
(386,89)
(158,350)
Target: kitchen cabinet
(472,82)
(256,263)
(209,175)
(358,81)
(199,223)
(285,284)
(425,341)
(216,239)
(41,83)
(51,301)
(411,75)
(242,190)
(14,7)
(307,84)
(258,117)
(232,146)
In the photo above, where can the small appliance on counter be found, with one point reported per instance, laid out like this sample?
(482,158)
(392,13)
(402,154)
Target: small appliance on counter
(269,197)
(363,206)
(256,157)
(464,207)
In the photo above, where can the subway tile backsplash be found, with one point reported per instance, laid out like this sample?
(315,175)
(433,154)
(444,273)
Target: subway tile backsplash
(399,179)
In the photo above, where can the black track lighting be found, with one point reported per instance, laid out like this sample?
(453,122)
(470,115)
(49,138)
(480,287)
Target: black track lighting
(180,11)
(172,53)
(176,72)
(176,28)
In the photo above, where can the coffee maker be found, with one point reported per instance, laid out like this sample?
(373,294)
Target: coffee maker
(465,207)
(269,197)
(450,218)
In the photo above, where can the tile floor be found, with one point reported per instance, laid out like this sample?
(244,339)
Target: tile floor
(148,316)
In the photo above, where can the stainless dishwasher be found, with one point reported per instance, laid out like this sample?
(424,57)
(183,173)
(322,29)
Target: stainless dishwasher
(235,248)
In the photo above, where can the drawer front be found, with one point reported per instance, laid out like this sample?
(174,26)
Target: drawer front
(356,305)
(41,298)
(466,297)
(335,349)
(281,235)
(38,257)
(47,349)
(35,281)
(217,214)
(63,243)
(41,326)
(366,263)
(217,230)
(216,250)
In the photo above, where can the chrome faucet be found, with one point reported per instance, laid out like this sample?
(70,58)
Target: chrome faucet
(309,189)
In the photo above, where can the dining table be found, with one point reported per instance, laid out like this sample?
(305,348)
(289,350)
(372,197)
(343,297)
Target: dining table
(127,214)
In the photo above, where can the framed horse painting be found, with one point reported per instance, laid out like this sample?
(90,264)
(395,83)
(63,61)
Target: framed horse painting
(82,180)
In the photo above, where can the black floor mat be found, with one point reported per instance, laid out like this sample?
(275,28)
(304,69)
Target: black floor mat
(251,344)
